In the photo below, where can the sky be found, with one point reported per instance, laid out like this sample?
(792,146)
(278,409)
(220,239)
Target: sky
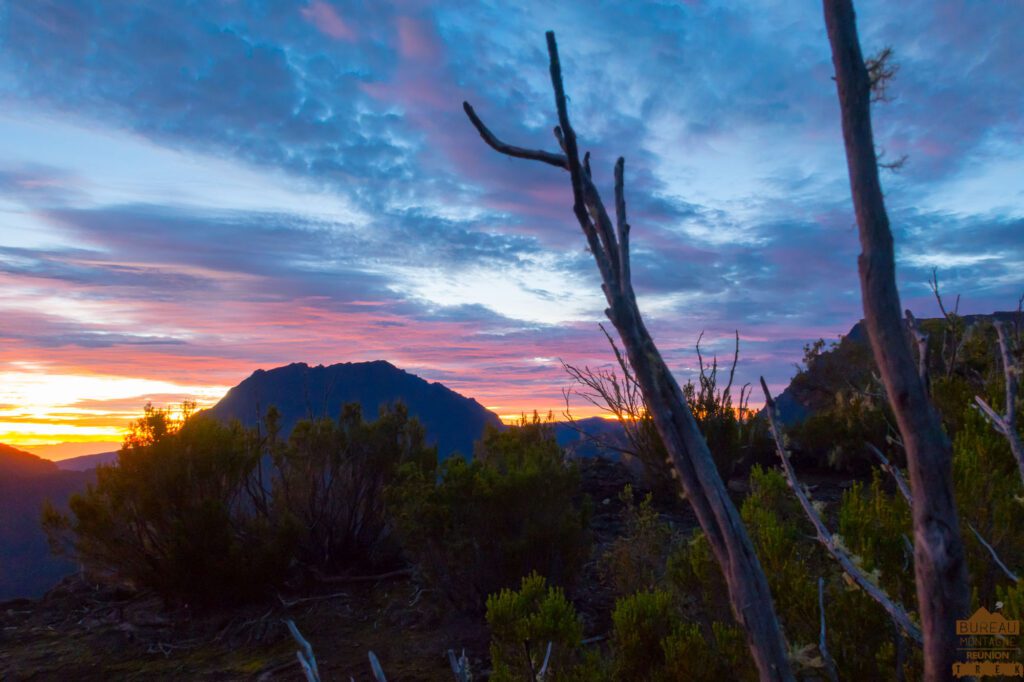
(190,191)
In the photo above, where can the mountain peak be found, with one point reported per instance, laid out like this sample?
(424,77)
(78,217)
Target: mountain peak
(300,391)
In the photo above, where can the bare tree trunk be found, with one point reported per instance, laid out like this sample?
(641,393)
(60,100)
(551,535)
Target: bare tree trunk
(1006,423)
(749,595)
(939,566)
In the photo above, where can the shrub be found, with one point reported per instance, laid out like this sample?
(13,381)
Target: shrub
(875,526)
(691,656)
(331,477)
(523,623)
(635,561)
(482,525)
(177,514)
(639,624)
(989,494)
(651,642)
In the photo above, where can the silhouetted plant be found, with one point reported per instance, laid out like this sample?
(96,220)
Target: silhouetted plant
(174,515)
(479,526)
(331,477)
(635,561)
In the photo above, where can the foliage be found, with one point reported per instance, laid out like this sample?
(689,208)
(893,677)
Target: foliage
(780,533)
(482,525)
(635,561)
(331,477)
(689,655)
(650,641)
(835,436)
(206,513)
(733,436)
(639,624)
(727,426)
(522,625)
(176,515)
(990,497)
(875,526)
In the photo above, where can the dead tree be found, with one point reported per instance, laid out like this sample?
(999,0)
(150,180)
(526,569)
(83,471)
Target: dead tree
(1006,423)
(940,570)
(749,595)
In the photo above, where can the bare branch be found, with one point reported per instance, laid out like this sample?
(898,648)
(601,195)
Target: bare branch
(992,552)
(557,160)
(921,340)
(1010,372)
(897,475)
(826,657)
(895,610)
(881,71)
(621,225)
(1006,423)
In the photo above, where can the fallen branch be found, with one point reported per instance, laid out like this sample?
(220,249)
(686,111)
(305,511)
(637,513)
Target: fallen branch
(895,610)
(460,666)
(305,654)
(288,603)
(992,551)
(826,657)
(348,579)
(378,671)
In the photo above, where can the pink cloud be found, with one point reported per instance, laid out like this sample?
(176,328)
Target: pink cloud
(417,40)
(325,18)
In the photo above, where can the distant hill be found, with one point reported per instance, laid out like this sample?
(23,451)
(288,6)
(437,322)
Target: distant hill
(27,569)
(15,462)
(87,462)
(590,437)
(299,391)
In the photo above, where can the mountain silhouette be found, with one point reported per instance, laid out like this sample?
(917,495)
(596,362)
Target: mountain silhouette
(27,569)
(452,421)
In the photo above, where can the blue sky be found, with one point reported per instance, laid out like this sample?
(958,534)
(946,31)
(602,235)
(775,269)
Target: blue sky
(193,190)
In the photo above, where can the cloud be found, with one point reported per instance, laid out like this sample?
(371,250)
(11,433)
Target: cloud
(195,191)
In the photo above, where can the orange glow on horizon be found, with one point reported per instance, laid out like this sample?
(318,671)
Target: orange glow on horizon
(43,409)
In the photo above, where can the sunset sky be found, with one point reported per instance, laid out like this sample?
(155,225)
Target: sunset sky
(190,191)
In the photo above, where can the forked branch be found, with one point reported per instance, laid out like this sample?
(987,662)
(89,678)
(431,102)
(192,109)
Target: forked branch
(749,595)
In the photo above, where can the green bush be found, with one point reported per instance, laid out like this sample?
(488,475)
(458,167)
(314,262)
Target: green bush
(651,642)
(875,527)
(989,496)
(331,477)
(691,656)
(640,623)
(635,561)
(480,526)
(522,625)
(178,514)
